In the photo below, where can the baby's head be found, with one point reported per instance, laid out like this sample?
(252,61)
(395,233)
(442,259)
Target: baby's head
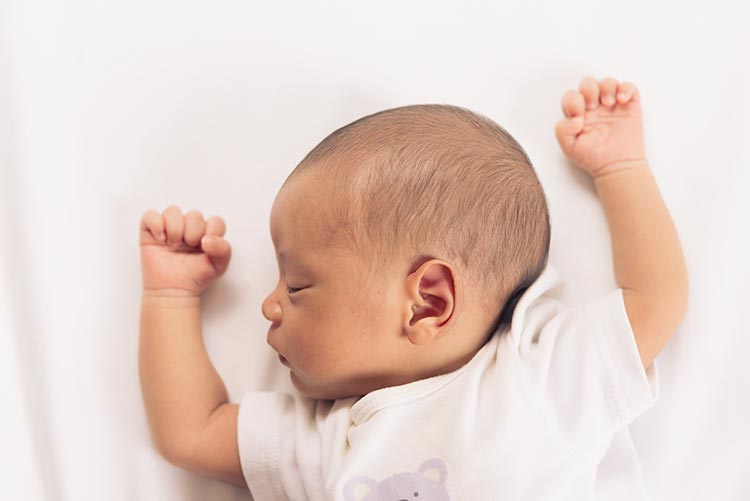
(404,240)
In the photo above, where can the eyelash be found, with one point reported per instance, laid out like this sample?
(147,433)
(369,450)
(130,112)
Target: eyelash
(292,288)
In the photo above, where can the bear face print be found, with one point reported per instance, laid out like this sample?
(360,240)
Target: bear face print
(409,486)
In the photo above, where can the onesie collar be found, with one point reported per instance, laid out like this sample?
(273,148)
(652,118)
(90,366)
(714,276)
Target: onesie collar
(379,399)
(365,407)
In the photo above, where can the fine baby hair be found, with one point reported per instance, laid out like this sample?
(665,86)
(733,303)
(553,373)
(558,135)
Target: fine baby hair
(436,180)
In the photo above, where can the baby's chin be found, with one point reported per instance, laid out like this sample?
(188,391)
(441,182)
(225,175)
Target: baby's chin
(317,393)
(306,390)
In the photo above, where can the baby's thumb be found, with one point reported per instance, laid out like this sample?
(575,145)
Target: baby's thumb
(218,250)
(567,130)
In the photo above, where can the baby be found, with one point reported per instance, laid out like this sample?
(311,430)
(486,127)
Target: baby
(411,313)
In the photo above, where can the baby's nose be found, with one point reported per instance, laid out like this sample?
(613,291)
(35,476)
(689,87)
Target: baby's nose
(271,309)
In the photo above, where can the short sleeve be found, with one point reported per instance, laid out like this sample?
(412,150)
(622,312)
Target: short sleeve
(582,368)
(269,425)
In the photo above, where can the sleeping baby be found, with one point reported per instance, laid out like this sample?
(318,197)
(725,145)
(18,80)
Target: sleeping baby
(413,313)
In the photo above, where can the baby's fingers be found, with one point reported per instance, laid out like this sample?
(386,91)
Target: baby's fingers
(573,104)
(195,228)
(627,91)
(566,132)
(152,224)
(174,224)
(218,250)
(215,226)
(590,89)
(607,89)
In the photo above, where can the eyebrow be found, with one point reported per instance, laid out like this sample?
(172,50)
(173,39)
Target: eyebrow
(301,264)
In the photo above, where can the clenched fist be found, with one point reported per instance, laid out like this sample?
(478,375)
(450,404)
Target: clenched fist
(602,130)
(181,255)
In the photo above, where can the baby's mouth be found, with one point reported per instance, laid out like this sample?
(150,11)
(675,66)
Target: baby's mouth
(283,360)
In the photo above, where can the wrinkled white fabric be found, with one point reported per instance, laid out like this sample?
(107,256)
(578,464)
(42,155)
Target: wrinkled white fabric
(529,417)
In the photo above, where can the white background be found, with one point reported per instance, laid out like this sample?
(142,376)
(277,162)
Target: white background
(108,109)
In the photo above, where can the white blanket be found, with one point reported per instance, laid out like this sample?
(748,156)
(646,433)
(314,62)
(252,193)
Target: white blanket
(110,108)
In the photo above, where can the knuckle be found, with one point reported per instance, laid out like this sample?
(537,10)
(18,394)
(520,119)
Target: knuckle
(216,220)
(194,214)
(588,84)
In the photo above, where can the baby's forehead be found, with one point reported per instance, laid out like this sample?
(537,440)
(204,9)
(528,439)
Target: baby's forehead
(299,204)
(300,219)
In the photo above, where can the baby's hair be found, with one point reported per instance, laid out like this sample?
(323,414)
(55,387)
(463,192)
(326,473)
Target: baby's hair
(435,181)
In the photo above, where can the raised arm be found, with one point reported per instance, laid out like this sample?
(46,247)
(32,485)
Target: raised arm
(648,260)
(603,135)
(192,423)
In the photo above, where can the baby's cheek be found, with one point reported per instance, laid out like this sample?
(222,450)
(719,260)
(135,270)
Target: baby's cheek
(313,352)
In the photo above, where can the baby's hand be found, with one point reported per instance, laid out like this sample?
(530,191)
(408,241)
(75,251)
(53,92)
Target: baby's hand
(602,131)
(181,256)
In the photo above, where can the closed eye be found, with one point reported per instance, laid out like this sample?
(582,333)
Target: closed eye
(292,290)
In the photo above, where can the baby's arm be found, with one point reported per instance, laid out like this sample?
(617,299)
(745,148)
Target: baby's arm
(191,420)
(603,135)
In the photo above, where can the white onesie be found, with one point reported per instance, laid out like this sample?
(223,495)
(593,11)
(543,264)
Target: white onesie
(530,417)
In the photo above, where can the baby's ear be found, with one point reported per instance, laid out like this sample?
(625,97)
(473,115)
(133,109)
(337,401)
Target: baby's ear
(430,304)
